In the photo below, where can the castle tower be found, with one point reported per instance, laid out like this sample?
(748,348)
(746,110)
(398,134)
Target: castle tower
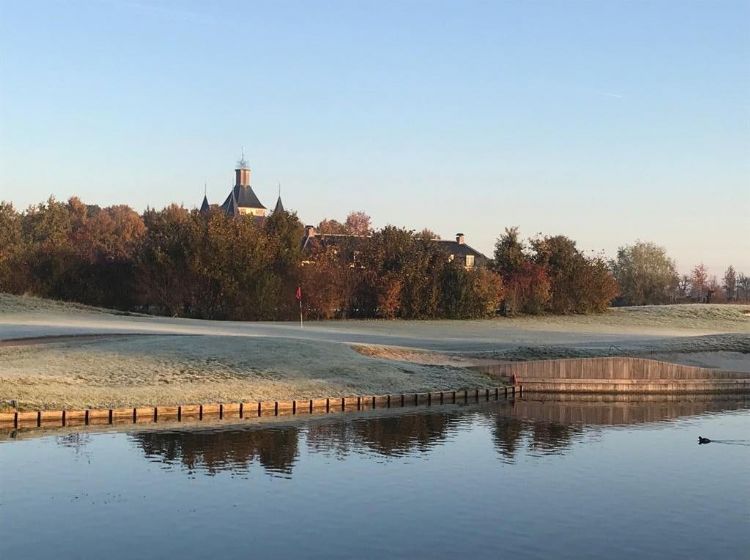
(242,199)
(242,173)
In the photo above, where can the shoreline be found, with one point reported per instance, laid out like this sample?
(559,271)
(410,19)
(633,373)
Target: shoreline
(52,357)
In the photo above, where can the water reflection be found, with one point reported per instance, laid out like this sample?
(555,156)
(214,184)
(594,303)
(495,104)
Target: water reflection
(540,426)
(211,451)
(389,436)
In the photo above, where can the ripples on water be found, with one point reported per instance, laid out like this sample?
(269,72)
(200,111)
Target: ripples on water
(561,478)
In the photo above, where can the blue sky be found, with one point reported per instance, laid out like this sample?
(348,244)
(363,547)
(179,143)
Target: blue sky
(606,121)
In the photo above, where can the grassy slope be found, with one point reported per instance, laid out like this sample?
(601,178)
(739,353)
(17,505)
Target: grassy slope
(168,369)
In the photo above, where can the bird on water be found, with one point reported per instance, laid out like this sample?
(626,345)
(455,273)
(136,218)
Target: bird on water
(702,440)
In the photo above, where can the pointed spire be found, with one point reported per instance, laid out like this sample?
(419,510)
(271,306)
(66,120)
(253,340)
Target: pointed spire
(242,164)
(205,206)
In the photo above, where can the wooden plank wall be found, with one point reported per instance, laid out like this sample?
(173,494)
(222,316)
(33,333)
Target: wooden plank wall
(610,368)
(244,410)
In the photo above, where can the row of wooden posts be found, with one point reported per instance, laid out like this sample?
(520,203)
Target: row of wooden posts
(244,410)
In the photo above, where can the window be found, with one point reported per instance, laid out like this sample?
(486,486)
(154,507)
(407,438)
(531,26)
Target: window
(469,261)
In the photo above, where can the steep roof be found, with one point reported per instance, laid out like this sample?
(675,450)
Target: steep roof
(205,207)
(245,197)
(279,206)
(357,242)
(460,249)
(230,205)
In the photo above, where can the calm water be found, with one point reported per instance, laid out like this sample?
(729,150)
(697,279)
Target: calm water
(530,480)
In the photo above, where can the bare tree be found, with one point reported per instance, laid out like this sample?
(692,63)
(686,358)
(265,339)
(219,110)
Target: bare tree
(730,283)
(684,285)
(743,287)
(699,282)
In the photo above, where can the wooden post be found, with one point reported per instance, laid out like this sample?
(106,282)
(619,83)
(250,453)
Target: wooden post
(86,417)
(416,399)
(466,395)
(242,410)
(497,393)
(328,405)
(221,411)
(294,407)
(487,394)
(441,397)
(429,399)
(156,414)
(311,406)
(39,419)
(276,408)
(359,403)
(402,399)
(260,409)
(179,413)
(389,401)
(110,416)
(373,402)
(15,419)
(200,412)
(63,417)
(476,395)
(506,391)
(343,404)
(454,397)
(135,415)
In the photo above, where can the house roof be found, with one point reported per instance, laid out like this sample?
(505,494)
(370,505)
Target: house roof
(459,249)
(230,205)
(205,206)
(279,206)
(241,197)
(245,197)
(355,242)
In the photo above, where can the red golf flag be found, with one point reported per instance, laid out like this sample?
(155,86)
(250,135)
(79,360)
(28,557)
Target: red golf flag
(298,295)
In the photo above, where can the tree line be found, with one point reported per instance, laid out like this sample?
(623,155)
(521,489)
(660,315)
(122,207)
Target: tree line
(179,262)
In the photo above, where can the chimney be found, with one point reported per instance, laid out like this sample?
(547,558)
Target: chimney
(309,231)
(460,238)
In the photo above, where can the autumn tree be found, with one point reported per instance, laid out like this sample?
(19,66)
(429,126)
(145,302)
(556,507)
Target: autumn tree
(510,255)
(12,250)
(645,274)
(428,235)
(578,284)
(327,226)
(358,223)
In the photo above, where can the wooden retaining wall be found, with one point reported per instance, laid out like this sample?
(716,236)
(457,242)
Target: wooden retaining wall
(617,375)
(243,410)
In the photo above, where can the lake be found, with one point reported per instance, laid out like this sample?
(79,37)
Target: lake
(534,478)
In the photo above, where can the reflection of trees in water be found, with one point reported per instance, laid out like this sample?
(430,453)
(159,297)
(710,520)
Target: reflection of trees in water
(552,437)
(510,433)
(274,448)
(390,435)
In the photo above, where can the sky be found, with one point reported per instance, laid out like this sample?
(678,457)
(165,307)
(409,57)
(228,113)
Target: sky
(608,121)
